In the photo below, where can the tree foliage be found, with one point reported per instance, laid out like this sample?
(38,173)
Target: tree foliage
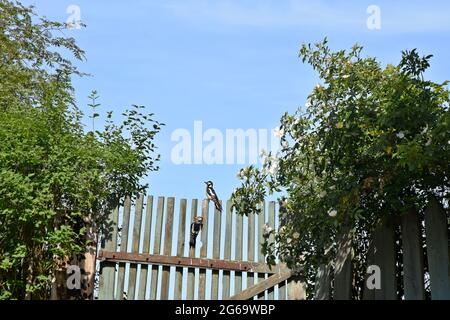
(371,143)
(57,180)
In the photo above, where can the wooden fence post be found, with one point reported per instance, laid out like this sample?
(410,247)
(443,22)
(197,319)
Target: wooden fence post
(412,257)
(322,287)
(180,248)
(135,246)
(157,247)
(123,247)
(167,247)
(107,269)
(227,250)
(343,268)
(146,247)
(382,254)
(437,250)
(191,271)
(216,254)
(203,250)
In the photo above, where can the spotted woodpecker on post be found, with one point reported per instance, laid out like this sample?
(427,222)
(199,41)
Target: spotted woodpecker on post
(196,226)
(211,195)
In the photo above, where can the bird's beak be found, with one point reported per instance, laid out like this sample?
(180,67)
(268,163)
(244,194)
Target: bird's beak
(205,182)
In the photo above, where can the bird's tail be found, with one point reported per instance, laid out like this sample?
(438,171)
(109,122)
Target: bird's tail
(192,241)
(218,205)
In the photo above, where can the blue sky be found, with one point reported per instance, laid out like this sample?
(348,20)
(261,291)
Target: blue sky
(230,64)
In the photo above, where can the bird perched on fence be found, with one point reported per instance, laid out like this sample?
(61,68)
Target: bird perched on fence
(211,195)
(196,226)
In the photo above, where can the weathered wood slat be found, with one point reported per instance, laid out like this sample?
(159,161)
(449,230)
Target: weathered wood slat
(227,249)
(322,287)
(167,247)
(382,254)
(216,254)
(413,281)
(261,286)
(180,248)
(238,253)
(343,268)
(135,246)
(261,258)
(437,250)
(282,286)
(191,271)
(108,269)
(157,246)
(146,247)
(203,250)
(203,263)
(251,247)
(271,291)
(123,247)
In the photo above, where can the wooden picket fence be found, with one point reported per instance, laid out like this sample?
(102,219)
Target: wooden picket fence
(414,236)
(150,258)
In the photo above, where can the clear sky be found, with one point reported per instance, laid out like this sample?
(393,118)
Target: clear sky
(230,64)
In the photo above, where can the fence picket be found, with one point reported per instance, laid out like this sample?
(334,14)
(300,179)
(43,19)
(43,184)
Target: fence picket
(157,247)
(135,246)
(261,258)
(146,247)
(227,250)
(271,291)
(238,253)
(437,250)
(107,273)
(180,249)
(216,254)
(412,257)
(251,247)
(167,247)
(191,271)
(123,247)
(343,268)
(203,250)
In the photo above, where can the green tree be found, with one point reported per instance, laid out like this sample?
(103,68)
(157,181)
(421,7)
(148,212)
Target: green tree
(58,182)
(371,143)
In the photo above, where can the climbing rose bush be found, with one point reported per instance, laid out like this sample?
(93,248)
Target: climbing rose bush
(370,143)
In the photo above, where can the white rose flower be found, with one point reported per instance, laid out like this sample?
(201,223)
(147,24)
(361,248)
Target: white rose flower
(267,229)
(296,235)
(262,153)
(400,135)
(278,132)
(425,129)
(332,212)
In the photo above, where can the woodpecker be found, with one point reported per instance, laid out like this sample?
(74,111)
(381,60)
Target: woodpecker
(211,195)
(196,226)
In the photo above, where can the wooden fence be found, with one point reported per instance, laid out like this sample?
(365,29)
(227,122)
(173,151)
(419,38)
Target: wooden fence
(151,258)
(421,242)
